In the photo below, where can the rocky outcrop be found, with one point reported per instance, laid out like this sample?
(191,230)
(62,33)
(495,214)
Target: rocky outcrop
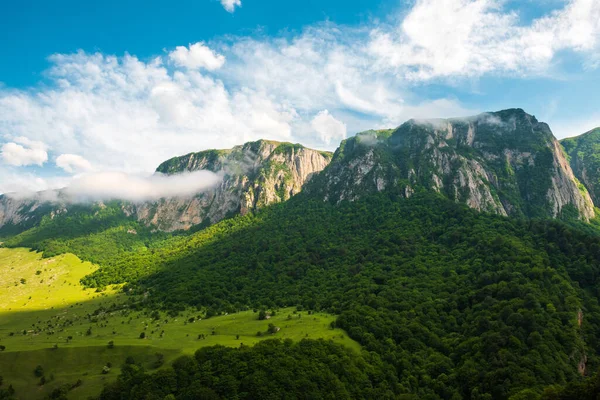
(254,175)
(18,214)
(506,163)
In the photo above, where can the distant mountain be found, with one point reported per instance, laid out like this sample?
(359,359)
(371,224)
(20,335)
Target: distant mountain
(584,156)
(504,162)
(254,175)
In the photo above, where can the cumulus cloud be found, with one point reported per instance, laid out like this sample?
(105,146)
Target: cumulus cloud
(73,163)
(196,56)
(123,113)
(24,152)
(230,5)
(449,38)
(328,127)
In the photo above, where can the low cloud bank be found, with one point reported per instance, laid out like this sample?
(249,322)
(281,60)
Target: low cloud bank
(103,186)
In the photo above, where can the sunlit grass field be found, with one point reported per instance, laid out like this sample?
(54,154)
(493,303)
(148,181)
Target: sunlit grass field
(48,319)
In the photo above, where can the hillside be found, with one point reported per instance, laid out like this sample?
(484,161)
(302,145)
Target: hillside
(584,157)
(454,301)
(48,319)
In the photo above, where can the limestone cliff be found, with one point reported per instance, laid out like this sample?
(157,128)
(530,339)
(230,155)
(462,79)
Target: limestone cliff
(254,175)
(504,162)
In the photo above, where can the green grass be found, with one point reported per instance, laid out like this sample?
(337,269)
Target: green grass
(52,306)
(52,282)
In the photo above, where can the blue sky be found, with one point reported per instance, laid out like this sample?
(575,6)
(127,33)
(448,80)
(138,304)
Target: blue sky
(90,87)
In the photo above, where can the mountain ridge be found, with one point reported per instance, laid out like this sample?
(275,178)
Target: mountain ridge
(505,162)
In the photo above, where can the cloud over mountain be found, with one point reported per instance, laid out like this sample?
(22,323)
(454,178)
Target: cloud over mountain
(126,113)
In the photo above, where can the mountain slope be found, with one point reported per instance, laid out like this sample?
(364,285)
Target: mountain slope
(455,302)
(505,162)
(255,174)
(584,157)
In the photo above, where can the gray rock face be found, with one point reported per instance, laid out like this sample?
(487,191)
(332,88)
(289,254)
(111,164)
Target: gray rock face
(254,175)
(506,163)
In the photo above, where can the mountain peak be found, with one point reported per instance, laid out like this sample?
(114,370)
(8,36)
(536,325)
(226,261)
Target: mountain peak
(255,174)
(506,162)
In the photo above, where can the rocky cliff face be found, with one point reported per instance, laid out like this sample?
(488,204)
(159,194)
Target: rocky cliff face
(584,157)
(18,214)
(505,162)
(254,175)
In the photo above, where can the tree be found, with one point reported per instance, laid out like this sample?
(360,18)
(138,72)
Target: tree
(143,335)
(2,347)
(111,344)
(38,371)
(262,315)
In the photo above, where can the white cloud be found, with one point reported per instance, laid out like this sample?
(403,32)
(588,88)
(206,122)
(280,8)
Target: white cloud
(73,163)
(118,185)
(103,186)
(328,128)
(197,56)
(127,114)
(450,38)
(230,5)
(24,152)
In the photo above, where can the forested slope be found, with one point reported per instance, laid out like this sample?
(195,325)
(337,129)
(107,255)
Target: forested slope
(454,302)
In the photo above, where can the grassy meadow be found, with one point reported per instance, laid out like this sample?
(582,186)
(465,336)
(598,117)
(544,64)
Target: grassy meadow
(48,319)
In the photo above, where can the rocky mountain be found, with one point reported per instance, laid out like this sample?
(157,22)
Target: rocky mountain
(253,175)
(584,157)
(505,162)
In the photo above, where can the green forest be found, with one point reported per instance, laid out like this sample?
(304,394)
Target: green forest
(447,303)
